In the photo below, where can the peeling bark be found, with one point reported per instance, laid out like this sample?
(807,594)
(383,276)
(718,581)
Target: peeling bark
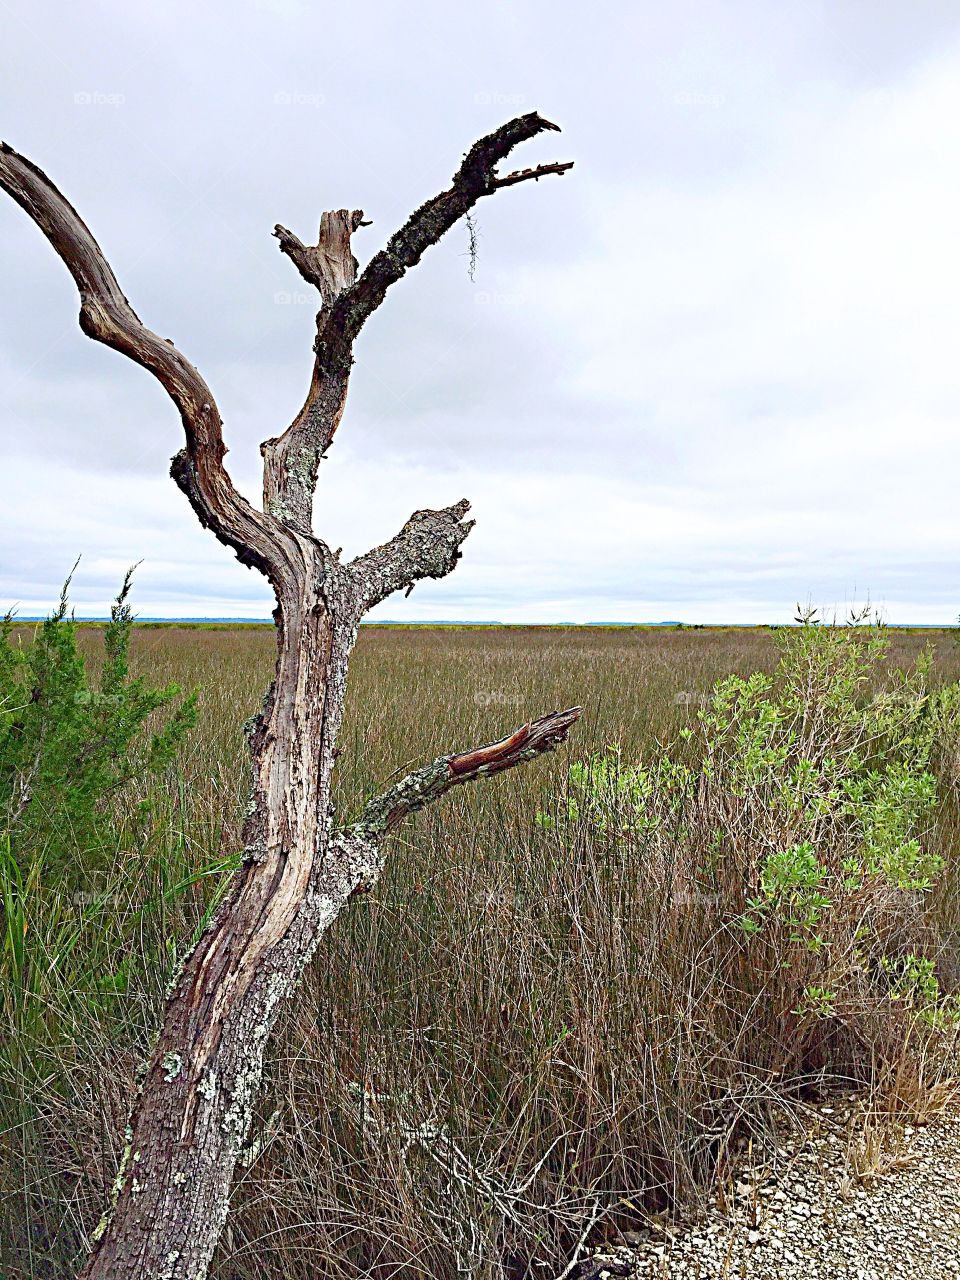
(299,870)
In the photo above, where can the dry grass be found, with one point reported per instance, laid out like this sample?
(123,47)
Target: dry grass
(521,1034)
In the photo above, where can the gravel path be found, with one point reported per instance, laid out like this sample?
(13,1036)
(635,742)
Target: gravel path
(851,1201)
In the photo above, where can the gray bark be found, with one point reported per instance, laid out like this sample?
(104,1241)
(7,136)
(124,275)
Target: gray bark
(193,1111)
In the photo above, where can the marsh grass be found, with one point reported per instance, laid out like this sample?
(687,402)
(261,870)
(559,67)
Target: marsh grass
(522,1036)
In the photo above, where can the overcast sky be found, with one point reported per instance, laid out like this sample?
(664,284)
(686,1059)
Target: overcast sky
(709,372)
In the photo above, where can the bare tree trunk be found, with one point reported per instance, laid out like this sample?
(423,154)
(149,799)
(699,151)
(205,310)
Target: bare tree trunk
(193,1111)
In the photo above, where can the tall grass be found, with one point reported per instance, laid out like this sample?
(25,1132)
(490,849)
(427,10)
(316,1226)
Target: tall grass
(524,1034)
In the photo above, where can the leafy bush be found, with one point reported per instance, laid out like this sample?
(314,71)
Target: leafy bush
(70,744)
(807,818)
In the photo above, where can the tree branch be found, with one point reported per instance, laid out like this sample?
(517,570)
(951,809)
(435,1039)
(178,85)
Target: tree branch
(476,178)
(428,546)
(291,461)
(107,317)
(365,837)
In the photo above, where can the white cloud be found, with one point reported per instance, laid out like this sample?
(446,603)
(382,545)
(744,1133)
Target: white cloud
(707,373)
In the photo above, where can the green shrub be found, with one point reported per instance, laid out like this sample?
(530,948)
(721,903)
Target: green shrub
(80,751)
(70,743)
(807,816)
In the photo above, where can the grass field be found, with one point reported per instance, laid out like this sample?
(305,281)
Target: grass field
(523,1031)
(420,691)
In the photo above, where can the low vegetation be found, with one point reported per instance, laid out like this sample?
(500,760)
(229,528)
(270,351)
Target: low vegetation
(737,889)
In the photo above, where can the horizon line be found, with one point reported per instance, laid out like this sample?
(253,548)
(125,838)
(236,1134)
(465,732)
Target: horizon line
(228,620)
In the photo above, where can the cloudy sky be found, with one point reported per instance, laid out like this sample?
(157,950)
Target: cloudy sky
(711,371)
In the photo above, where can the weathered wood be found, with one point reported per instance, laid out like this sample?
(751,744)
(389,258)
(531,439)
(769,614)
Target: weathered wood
(193,1110)
(329,264)
(290,461)
(428,784)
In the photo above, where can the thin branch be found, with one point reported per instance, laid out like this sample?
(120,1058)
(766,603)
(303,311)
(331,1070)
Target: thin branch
(382,814)
(594,1218)
(428,546)
(107,317)
(300,254)
(291,461)
(357,850)
(541,171)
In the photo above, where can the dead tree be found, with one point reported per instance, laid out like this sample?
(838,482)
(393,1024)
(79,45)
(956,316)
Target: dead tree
(299,869)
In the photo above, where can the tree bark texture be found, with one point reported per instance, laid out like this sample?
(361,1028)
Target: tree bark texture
(299,870)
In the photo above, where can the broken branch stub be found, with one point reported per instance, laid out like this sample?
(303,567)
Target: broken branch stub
(428,546)
(541,171)
(329,264)
(433,780)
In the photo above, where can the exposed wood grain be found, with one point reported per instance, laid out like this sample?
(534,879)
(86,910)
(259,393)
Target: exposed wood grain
(426,785)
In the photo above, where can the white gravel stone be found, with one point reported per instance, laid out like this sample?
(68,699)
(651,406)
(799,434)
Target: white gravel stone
(827,1217)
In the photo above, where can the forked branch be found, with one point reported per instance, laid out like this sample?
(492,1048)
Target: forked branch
(291,461)
(477,177)
(329,264)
